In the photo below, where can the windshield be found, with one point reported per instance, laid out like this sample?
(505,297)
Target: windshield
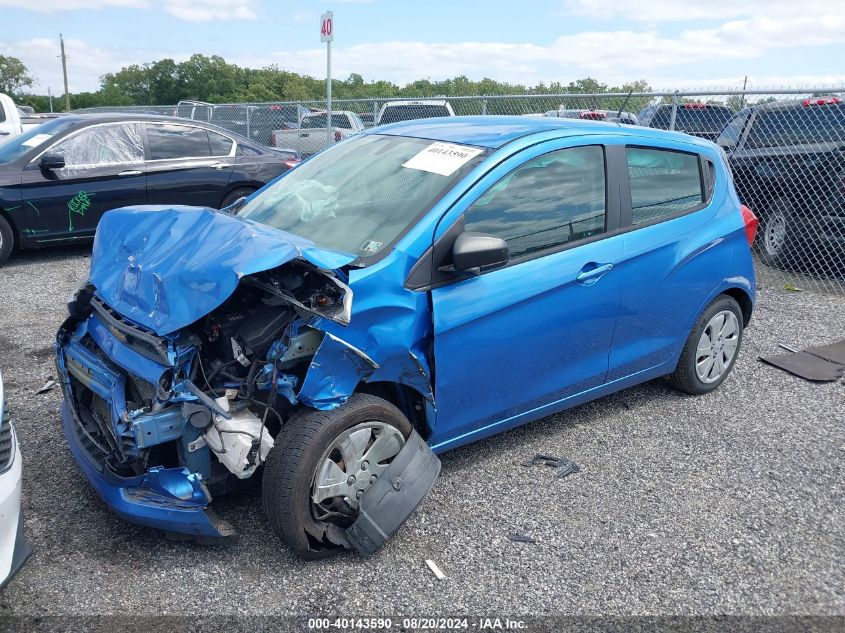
(34,137)
(359,196)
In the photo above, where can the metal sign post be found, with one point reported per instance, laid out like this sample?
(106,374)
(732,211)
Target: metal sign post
(327,35)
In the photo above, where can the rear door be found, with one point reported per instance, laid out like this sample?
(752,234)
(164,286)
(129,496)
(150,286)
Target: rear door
(675,255)
(188,164)
(104,169)
(512,344)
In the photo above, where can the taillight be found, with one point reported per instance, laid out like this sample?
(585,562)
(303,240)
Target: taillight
(337,136)
(751,224)
(694,106)
(293,162)
(593,116)
(823,101)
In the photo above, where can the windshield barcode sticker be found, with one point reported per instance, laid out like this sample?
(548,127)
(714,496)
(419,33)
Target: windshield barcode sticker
(442,158)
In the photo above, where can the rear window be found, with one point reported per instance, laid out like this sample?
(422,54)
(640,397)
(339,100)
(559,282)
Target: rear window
(693,119)
(392,114)
(177,141)
(798,126)
(321,121)
(663,183)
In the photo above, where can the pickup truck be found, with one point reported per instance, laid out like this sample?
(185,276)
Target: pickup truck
(256,122)
(14,121)
(395,111)
(312,135)
(788,164)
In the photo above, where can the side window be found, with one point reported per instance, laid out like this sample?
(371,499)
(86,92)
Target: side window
(663,182)
(730,136)
(220,145)
(101,145)
(549,201)
(177,141)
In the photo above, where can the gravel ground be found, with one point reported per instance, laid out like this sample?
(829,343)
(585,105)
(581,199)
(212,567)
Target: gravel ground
(730,503)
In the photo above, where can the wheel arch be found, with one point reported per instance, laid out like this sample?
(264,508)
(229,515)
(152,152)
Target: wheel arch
(408,400)
(744,301)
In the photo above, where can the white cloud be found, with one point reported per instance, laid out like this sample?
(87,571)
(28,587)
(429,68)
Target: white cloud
(53,6)
(190,10)
(689,10)
(211,10)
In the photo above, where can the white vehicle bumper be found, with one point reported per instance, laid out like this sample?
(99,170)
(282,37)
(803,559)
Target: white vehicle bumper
(14,548)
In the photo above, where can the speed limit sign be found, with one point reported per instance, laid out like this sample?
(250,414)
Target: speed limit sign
(326,27)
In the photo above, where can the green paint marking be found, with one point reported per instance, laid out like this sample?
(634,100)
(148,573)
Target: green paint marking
(34,231)
(13,208)
(37,212)
(79,204)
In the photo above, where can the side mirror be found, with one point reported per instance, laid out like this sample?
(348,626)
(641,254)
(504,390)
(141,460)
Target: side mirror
(52,161)
(474,251)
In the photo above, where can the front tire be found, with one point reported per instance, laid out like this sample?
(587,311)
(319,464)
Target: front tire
(320,465)
(711,349)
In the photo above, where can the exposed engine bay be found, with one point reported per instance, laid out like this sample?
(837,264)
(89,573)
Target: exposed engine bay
(232,377)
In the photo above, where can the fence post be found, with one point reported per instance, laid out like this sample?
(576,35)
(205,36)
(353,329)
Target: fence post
(484,106)
(674,111)
(247,122)
(375,112)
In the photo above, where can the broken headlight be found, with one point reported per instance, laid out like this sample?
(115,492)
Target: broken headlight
(80,298)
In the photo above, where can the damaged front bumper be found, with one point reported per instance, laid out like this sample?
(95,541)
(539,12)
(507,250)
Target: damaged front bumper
(170,499)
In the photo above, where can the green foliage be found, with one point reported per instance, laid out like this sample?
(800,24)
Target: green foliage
(13,75)
(212,79)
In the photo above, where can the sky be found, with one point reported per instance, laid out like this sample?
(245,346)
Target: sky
(673,44)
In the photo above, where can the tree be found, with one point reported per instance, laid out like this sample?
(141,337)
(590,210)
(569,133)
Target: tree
(13,75)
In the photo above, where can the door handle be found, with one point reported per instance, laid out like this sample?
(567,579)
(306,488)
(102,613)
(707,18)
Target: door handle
(592,272)
(219,165)
(131,172)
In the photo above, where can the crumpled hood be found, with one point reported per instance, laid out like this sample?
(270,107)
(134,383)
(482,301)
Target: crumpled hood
(164,267)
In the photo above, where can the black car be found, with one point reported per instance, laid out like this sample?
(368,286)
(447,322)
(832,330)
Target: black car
(704,120)
(788,165)
(57,179)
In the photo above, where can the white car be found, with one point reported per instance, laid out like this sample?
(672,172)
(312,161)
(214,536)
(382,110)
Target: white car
(395,111)
(14,548)
(312,134)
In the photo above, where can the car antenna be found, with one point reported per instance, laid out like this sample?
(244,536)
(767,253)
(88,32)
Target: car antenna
(624,103)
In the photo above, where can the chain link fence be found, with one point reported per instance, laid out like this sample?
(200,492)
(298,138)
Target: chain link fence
(786,149)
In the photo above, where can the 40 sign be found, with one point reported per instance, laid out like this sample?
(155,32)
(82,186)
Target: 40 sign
(326,27)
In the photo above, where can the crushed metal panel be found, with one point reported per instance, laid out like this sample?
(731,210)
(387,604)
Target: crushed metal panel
(165,267)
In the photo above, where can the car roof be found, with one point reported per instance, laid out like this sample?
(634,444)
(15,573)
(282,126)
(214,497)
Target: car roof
(407,102)
(118,117)
(495,131)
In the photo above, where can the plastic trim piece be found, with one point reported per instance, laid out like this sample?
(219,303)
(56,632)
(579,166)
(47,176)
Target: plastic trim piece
(388,503)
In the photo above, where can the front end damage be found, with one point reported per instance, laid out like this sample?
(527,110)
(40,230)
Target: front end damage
(164,411)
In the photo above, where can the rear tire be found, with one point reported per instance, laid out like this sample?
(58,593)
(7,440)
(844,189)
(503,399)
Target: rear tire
(711,349)
(297,459)
(776,240)
(7,239)
(233,196)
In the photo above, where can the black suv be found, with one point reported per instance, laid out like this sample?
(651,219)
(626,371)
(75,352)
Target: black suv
(788,162)
(705,120)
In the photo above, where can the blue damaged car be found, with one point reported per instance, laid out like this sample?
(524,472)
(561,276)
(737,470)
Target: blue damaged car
(415,288)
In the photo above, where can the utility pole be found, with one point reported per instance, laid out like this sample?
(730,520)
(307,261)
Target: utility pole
(64,72)
(50,96)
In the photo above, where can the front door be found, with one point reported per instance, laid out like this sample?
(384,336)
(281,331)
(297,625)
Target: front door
(104,169)
(511,344)
(188,164)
